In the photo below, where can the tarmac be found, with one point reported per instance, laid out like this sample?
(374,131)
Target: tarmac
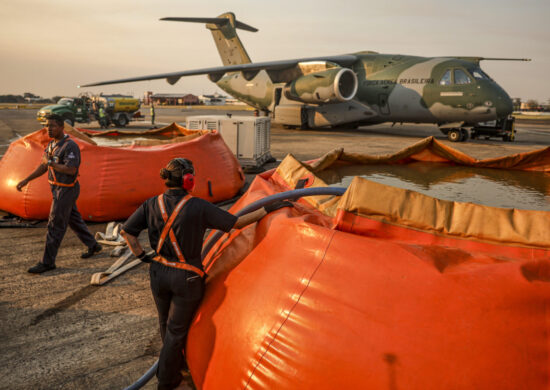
(59,332)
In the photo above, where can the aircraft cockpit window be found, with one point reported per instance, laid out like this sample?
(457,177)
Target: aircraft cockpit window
(461,77)
(446,79)
(479,74)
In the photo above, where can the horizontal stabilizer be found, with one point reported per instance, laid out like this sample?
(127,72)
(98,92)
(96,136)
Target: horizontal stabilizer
(216,21)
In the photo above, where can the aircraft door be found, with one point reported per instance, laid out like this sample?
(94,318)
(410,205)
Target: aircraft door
(383,104)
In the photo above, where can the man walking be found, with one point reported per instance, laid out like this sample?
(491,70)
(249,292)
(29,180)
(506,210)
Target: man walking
(61,159)
(176,224)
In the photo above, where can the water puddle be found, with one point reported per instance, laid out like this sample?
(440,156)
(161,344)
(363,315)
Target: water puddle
(492,187)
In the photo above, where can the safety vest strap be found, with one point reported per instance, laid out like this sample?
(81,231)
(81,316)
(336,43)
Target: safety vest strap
(179,265)
(51,150)
(54,182)
(168,231)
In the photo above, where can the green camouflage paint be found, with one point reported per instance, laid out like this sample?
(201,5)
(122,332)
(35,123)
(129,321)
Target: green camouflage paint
(359,88)
(398,88)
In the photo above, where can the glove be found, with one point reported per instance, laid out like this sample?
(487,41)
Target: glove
(277,205)
(146,257)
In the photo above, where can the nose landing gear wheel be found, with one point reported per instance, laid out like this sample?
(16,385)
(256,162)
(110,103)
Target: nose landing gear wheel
(508,137)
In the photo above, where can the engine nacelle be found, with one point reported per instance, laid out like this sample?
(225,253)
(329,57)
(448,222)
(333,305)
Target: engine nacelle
(334,85)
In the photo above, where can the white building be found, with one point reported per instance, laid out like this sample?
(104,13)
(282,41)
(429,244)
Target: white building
(213,100)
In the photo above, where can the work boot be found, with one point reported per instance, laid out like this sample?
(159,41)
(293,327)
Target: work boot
(91,251)
(186,382)
(41,267)
(184,386)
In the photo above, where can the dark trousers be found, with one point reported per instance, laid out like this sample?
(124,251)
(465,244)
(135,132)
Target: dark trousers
(63,213)
(177,294)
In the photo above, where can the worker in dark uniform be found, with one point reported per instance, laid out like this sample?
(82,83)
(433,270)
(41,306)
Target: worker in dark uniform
(176,224)
(61,159)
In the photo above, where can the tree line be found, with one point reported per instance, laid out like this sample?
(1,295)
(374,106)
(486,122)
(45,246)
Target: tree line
(27,97)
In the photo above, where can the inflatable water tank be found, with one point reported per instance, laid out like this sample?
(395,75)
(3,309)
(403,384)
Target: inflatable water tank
(381,288)
(116,179)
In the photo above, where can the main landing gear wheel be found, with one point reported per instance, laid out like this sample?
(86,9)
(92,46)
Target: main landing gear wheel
(455,135)
(69,121)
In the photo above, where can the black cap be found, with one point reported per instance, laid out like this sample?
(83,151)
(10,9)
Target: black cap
(181,164)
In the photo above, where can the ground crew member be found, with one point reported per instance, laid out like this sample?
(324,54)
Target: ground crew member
(61,159)
(102,118)
(176,224)
(152,113)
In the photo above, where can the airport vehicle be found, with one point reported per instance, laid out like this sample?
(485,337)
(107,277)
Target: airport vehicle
(120,109)
(351,90)
(501,128)
(72,109)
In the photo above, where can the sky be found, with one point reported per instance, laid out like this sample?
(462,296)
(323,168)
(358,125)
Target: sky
(50,47)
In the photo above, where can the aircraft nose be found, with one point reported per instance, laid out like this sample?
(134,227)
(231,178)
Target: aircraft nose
(503,104)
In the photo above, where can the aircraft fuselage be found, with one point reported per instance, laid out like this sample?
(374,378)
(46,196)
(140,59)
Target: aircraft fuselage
(393,88)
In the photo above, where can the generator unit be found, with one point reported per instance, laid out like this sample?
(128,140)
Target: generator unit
(246,136)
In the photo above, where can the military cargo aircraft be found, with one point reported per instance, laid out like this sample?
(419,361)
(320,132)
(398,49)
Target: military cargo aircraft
(355,89)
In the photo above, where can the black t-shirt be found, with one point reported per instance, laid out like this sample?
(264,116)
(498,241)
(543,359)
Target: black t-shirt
(65,152)
(189,227)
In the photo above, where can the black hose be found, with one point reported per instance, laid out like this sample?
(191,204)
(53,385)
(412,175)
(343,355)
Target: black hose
(144,378)
(288,195)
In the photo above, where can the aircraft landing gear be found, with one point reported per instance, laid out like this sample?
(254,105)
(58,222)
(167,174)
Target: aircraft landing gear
(508,137)
(464,134)
(457,135)
(502,128)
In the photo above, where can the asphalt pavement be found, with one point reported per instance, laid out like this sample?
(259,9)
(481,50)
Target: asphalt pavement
(58,332)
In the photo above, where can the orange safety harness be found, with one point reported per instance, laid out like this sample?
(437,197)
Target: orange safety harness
(167,230)
(55,182)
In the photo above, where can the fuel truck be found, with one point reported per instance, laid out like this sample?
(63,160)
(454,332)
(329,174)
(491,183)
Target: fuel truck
(119,110)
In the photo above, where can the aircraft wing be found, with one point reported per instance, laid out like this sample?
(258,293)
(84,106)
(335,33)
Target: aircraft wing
(279,71)
(477,59)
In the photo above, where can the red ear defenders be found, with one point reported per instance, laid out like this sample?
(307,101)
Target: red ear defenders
(188,173)
(180,169)
(188,182)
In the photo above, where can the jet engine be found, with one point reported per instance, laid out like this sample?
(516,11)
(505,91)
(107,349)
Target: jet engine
(333,85)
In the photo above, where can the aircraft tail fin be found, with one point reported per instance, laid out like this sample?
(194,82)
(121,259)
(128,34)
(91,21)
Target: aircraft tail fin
(224,31)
